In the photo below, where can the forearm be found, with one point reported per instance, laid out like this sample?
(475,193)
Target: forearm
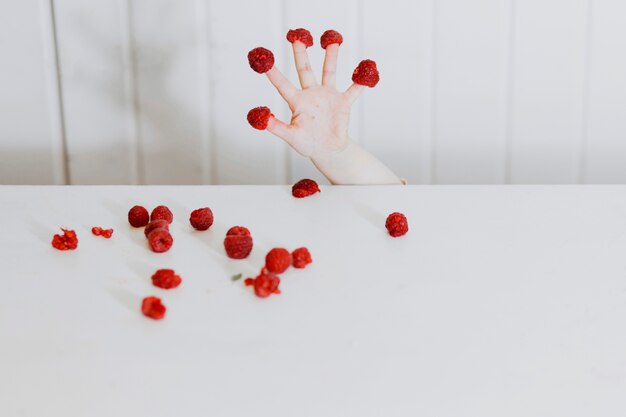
(353,166)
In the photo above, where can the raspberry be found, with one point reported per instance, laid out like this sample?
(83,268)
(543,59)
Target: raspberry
(248,281)
(261,60)
(166,279)
(160,240)
(105,233)
(156,224)
(396,224)
(304,188)
(67,241)
(201,219)
(238,242)
(329,37)
(265,285)
(258,117)
(138,216)
(162,213)
(153,308)
(366,73)
(277,260)
(301,35)
(301,257)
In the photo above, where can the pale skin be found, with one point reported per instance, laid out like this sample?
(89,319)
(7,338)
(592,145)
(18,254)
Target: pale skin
(319,123)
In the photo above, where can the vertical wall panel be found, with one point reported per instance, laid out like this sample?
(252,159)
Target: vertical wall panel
(242,154)
(548,93)
(471,41)
(31,141)
(97,101)
(318,18)
(605,158)
(168,94)
(397,114)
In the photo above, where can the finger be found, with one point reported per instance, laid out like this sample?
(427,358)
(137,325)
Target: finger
(303,66)
(280,129)
(353,92)
(285,88)
(330,65)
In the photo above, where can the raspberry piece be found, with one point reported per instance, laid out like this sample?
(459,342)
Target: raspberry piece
(301,35)
(66,241)
(138,216)
(304,188)
(154,225)
(261,60)
(201,219)
(258,117)
(162,213)
(153,308)
(301,257)
(160,240)
(238,242)
(329,37)
(266,285)
(366,73)
(166,279)
(248,282)
(277,260)
(396,224)
(105,233)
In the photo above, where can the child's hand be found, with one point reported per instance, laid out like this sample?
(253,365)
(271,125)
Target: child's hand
(320,113)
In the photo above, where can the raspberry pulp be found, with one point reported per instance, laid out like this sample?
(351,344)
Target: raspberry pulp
(153,308)
(304,188)
(301,257)
(166,279)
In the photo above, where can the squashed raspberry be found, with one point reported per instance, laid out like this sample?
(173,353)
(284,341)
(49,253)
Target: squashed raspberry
(166,279)
(105,233)
(277,260)
(301,257)
(156,224)
(238,242)
(301,35)
(304,188)
(397,224)
(138,216)
(201,219)
(160,240)
(162,213)
(366,73)
(265,285)
(66,241)
(248,282)
(258,117)
(329,37)
(261,60)
(153,308)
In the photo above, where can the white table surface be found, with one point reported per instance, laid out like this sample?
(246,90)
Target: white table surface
(501,301)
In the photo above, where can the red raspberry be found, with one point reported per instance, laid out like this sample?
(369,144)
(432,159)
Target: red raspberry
(166,279)
(138,216)
(258,117)
(329,37)
(396,224)
(201,219)
(301,35)
(67,241)
(153,308)
(154,225)
(265,285)
(238,242)
(248,281)
(366,73)
(261,60)
(277,260)
(162,213)
(105,233)
(304,188)
(160,240)
(301,257)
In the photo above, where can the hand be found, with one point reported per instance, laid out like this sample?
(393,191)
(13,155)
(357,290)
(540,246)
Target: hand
(320,113)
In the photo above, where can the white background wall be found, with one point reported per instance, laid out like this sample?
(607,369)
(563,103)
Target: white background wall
(156,91)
